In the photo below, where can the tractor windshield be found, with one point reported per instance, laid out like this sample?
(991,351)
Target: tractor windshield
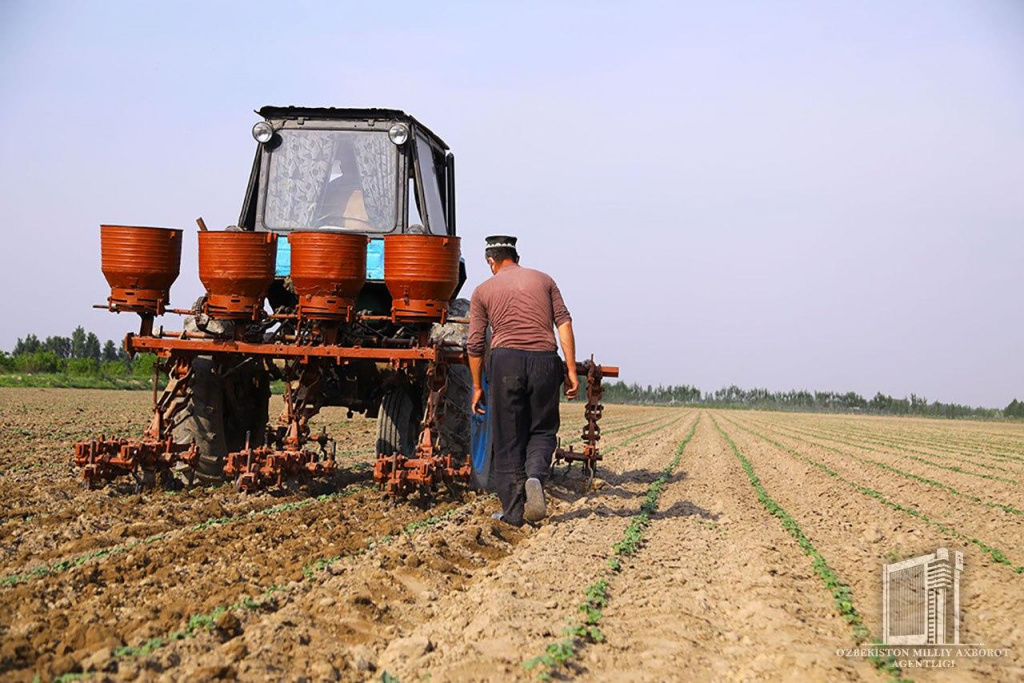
(332,180)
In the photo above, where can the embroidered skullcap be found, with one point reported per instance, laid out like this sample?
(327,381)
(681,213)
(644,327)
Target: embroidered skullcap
(499,241)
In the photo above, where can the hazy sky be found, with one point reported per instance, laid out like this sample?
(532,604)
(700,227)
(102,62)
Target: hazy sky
(818,195)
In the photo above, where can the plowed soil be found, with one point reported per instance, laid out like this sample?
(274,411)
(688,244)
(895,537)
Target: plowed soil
(331,583)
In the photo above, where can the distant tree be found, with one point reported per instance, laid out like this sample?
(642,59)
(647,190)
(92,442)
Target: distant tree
(78,342)
(30,344)
(1014,409)
(38,361)
(110,351)
(59,346)
(93,351)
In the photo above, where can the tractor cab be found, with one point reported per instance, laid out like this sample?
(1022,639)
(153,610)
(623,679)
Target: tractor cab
(374,172)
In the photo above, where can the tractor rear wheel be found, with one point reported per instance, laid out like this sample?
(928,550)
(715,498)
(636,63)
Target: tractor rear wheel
(224,406)
(203,420)
(398,422)
(454,423)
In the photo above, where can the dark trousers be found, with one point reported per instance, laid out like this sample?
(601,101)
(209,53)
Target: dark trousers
(524,387)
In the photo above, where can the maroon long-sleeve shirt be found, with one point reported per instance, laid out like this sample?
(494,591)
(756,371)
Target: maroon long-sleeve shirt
(522,306)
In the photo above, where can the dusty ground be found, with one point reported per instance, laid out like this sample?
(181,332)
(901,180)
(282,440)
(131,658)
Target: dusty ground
(332,584)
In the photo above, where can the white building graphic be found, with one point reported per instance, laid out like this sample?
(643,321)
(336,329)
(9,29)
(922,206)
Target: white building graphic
(921,600)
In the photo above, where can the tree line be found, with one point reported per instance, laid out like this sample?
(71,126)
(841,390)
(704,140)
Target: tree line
(800,400)
(80,353)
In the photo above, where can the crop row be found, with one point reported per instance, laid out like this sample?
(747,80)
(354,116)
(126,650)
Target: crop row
(64,565)
(558,656)
(859,442)
(899,443)
(987,444)
(889,468)
(70,563)
(842,595)
(605,432)
(996,554)
(636,437)
(271,599)
(905,454)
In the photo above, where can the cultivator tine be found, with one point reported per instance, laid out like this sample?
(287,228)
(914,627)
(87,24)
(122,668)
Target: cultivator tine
(103,460)
(400,476)
(591,434)
(287,457)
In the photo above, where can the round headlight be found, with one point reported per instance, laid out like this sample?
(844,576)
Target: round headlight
(399,133)
(263,132)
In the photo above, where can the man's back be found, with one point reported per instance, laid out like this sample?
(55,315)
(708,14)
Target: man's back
(522,306)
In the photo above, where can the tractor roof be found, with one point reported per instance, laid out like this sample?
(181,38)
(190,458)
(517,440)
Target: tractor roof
(292,112)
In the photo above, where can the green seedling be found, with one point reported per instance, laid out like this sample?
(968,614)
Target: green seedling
(841,594)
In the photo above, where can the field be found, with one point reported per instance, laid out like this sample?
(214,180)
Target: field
(716,545)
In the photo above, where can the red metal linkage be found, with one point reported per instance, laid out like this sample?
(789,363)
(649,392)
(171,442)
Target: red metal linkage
(105,460)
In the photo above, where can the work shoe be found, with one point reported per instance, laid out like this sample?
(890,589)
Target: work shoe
(536,507)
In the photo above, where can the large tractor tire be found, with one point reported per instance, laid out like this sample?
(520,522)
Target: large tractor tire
(203,420)
(246,404)
(222,409)
(398,422)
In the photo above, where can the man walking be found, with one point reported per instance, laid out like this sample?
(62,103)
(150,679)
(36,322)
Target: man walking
(522,306)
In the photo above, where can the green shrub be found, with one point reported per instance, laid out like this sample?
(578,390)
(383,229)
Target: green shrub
(142,365)
(82,366)
(38,361)
(115,368)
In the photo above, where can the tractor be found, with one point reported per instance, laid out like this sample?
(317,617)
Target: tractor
(341,281)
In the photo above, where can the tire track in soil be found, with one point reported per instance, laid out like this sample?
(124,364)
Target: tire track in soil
(516,606)
(859,534)
(720,590)
(561,657)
